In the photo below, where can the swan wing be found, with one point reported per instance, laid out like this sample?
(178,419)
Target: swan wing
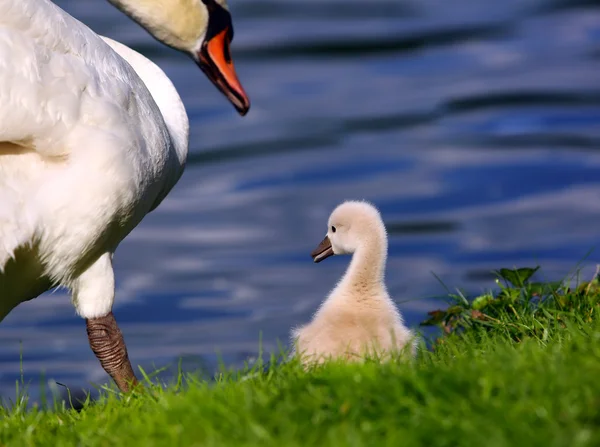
(77,125)
(57,76)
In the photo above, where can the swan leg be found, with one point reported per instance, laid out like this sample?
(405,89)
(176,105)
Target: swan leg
(93,297)
(107,343)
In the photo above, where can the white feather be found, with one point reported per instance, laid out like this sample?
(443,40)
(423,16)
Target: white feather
(92,137)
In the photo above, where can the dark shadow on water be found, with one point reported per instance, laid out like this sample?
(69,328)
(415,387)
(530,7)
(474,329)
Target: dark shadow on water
(549,6)
(328,137)
(423,227)
(351,9)
(261,149)
(480,275)
(524,98)
(389,122)
(533,141)
(350,47)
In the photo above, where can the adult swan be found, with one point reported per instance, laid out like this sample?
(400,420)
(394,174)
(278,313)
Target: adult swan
(93,136)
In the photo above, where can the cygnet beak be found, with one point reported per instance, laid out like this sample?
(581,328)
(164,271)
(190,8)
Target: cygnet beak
(324,250)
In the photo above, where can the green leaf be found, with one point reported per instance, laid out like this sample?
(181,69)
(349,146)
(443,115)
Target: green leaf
(481,301)
(517,277)
(507,296)
(455,310)
(542,289)
(437,316)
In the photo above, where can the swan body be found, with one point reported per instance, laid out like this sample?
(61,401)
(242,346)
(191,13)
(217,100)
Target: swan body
(86,150)
(358,318)
(93,136)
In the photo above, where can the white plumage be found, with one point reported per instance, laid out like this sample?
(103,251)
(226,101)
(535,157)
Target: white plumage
(87,148)
(92,137)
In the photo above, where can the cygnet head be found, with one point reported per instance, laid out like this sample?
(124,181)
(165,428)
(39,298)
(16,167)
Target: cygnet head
(351,225)
(200,28)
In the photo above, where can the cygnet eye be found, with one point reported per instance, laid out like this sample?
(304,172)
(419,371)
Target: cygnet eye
(332,229)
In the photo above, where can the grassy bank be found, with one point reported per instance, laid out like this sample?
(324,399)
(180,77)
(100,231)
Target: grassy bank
(519,367)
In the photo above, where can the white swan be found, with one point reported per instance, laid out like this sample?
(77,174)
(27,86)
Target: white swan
(92,137)
(358,318)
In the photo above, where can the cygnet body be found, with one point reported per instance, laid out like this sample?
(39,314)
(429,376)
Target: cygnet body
(358,318)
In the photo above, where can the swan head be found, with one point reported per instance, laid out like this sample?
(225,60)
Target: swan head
(351,225)
(200,28)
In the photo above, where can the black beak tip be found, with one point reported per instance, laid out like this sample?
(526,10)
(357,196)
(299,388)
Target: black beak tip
(243,111)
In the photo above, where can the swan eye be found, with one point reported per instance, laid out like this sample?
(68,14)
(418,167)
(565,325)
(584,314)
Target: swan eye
(332,229)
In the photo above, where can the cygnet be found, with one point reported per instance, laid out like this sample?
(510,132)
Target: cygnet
(358,318)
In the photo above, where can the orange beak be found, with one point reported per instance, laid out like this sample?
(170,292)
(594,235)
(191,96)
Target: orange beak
(215,61)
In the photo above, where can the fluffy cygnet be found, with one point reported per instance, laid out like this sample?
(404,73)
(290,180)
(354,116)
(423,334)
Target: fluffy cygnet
(358,318)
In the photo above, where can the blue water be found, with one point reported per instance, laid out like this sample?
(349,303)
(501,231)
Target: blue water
(474,126)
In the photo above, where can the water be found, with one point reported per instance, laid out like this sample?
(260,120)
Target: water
(473,125)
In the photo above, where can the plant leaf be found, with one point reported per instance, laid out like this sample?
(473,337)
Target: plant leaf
(542,289)
(481,301)
(455,310)
(437,316)
(517,277)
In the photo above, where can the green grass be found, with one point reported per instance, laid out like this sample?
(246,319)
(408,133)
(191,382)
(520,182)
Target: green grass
(518,367)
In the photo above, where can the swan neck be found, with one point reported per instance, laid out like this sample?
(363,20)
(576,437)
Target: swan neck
(178,24)
(367,268)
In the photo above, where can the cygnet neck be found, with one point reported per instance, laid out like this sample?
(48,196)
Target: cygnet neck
(367,268)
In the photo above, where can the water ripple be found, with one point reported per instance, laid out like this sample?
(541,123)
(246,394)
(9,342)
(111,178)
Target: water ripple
(348,47)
